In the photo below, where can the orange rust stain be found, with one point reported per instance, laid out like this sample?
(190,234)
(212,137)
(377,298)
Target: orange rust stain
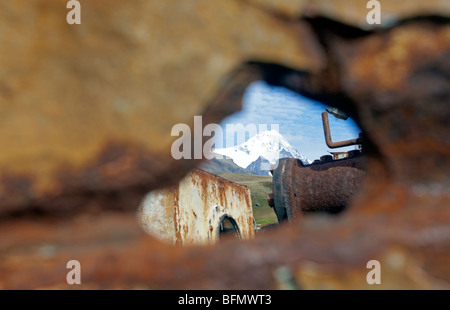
(401,50)
(178,237)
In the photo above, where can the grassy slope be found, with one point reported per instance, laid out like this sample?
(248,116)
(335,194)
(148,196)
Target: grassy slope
(259,186)
(220,166)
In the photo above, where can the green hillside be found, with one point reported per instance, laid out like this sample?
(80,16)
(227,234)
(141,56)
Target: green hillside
(220,166)
(260,186)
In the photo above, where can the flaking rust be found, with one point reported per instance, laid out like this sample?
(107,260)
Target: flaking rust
(326,185)
(202,209)
(63,102)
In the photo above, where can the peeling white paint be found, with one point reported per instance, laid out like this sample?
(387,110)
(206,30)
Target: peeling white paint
(191,213)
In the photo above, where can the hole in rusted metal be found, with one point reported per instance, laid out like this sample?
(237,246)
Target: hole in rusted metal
(332,179)
(276,194)
(228,227)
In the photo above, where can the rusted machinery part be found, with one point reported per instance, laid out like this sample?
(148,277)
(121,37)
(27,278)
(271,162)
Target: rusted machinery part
(327,133)
(327,186)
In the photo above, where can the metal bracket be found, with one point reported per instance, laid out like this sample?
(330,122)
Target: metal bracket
(329,142)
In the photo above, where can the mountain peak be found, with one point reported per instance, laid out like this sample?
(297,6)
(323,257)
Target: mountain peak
(270,144)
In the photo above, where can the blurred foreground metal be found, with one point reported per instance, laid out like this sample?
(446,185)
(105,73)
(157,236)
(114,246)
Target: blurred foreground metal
(86,113)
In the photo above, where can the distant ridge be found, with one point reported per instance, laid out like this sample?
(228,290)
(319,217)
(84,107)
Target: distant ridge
(220,166)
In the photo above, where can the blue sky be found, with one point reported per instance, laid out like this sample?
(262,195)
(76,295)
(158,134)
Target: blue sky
(299,119)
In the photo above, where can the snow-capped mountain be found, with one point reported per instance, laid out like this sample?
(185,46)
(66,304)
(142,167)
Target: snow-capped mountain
(261,166)
(267,146)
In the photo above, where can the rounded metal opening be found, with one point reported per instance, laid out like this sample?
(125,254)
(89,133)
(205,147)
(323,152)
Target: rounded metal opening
(228,227)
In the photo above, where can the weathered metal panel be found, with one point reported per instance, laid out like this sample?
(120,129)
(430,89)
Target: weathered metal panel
(191,213)
(84,113)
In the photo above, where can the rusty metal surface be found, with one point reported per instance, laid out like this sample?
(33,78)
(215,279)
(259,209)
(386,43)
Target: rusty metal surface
(342,155)
(327,186)
(393,82)
(353,12)
(323,253)
(89,108)
(191,212)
